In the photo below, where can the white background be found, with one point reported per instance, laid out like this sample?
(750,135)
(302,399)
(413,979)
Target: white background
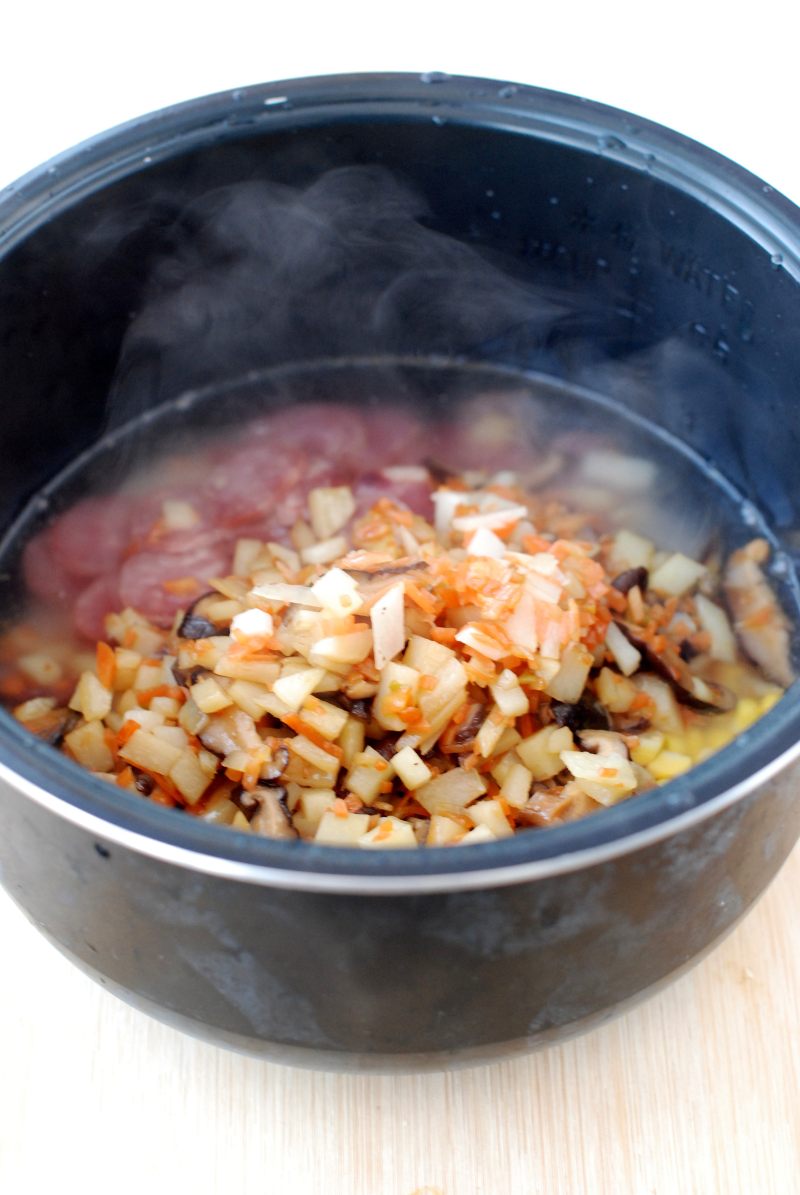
(694,1092)
(723,73)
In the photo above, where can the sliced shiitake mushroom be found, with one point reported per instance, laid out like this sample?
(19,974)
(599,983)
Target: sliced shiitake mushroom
(582,715)
(698,694)
(271,818)
(196,623)
(759,622)
(603,742)
(52,725)
(631,577)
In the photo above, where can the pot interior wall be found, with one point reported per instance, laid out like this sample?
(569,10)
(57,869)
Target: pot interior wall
(652,296)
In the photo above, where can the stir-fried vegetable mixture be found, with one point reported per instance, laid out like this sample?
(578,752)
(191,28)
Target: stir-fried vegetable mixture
(393,681)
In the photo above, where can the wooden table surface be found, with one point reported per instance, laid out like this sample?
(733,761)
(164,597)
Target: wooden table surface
(694,1091)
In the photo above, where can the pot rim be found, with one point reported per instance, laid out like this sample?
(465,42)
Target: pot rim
(764,215)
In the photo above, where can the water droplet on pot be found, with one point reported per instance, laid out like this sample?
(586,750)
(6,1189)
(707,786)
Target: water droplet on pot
(496,215)
(611,142)
(553,201)
(776,260)
(433,77)
(505,93)
(273,101)
(438,120)
(490,193)
(237,95)
(146,160)
(767,189)
(623,187)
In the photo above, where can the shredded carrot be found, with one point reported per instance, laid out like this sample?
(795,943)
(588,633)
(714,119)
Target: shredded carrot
(145,696)
(296,723)
(125,778)
(420,598)
(106,664)
(181,585)
(126,731)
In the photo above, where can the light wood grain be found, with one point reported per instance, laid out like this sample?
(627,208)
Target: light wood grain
(695,1091)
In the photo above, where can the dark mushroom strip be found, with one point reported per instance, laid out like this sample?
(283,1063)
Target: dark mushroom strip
(692,691)
(53,725)
(760,624)
(603,742)
(271,818)
(196,624)
(581,715)
(626,581)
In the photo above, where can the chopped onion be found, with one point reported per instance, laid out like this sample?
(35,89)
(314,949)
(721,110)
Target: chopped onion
(714,620)
(485,543)
(293,690)
(287,595)
(324,551)
(451,792)
(632,474)
(491,519)
(390,832)
(412,770)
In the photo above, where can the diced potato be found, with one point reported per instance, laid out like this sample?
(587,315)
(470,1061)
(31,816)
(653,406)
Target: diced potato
(259,672)
(167,706)
(504,765)
(293,689)
(147,719)
(175,735)
(311,804)
(352,739)
(334,651)
(249,697)
(324,551)
(190,777)
(490,814)
(625,655)
(570,680)
(41,668)
(150,676)
(508,695)
(605,778)
(91,699)
(191,718)
(541,752)
(515,787)
(209,696)
(288,556)
(649,744)
(144,750)
(443,831)
(336,830)
(614,691)
(668,764)
(666,714)
(676,576)
(329,508)
(426,656)
(338,592)
(479,834)
(245,556)
(412,770)
(398,689)
(328,720)
(320,760)
(629,550)
(367,774)
(29,711)
(451,792)
(390,832)
(714,620)
(88,745)
(127,663)
(490,732)
(450,689)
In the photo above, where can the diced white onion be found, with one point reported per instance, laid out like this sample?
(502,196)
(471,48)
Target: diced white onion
(293,690)
(324,551)
(329,508)
(485,543)
(338,592)
(287,595)
(490,519)
(676,576)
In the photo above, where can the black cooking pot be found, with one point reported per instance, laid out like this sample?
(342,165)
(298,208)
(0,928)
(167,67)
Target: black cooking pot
(667,278)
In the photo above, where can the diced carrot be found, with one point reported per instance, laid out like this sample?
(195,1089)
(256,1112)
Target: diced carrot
(181,585)
(640,702)
(525,725)
(126,731)
(425,601)
(145,696)
(296,723)
(444,635)
(339,808)
(106,665)
(125,778)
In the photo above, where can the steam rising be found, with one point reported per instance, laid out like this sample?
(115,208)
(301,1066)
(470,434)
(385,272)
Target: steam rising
(260,273)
